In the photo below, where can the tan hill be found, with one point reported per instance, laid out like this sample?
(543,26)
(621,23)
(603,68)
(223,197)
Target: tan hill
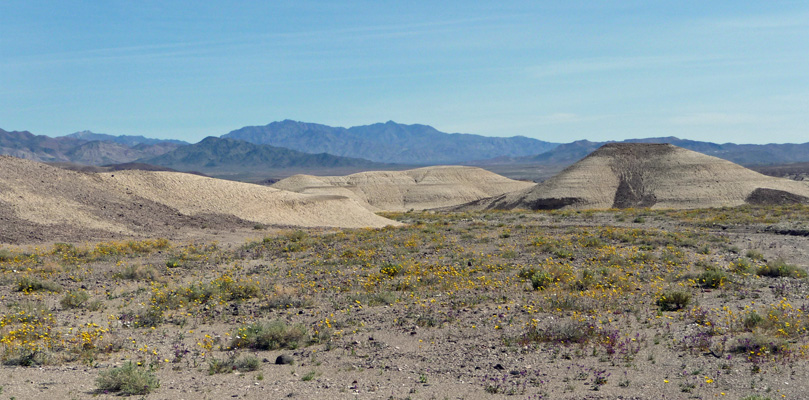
(625,175)
(419,189)
(39,202)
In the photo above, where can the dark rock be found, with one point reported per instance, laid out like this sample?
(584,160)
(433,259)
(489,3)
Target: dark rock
(284,359)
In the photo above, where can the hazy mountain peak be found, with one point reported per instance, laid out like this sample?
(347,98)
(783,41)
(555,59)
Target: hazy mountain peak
(128,140)
(389,142)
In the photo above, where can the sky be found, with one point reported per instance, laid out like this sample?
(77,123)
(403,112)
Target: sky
(720,71)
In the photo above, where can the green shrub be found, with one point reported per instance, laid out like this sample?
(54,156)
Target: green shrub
(141,272)
(6,255)
(74,299)
(712,279)
(174,262)
(527,272)
(564,332)
(779,268)
(272,335)
(230,364)
(391,270)
(752,320)
(673,301)
(127,380)
(148,318)
(25,357)
(742,265)
(755,397)
(31,284)
(541,280)
(587,278)
(758,343)
(754,255)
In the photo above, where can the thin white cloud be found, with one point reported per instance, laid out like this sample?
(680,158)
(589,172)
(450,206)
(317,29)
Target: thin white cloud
(715,118)
(558,118)
(291,39)
(603,64)
(778,21)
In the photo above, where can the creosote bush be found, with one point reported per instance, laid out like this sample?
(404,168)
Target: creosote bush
(129,379)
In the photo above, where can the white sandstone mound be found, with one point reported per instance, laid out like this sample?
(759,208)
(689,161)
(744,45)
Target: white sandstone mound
(38,201)
(193,194)
(626,175)
(419,189)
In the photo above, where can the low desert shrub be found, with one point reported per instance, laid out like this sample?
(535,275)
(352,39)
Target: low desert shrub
(391,270)
(673,301)
(138,273)
(230,364)
(712,278)
(564,333)
(74,299)
(779,268)
(541,280)
(741,266)
(271,335)
(32,284)
(129,379)
(752,320)
(758,345)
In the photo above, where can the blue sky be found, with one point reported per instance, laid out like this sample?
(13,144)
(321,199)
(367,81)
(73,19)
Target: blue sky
(553,70)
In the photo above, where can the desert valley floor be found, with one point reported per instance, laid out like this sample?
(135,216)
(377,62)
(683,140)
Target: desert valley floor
(631,304)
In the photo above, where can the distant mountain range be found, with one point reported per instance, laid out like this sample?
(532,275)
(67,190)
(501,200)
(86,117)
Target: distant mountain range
(389,142)
(76,149)
(214,154)
(257,152)
(128,140)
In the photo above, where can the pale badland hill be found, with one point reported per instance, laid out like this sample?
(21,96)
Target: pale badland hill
(417,189)
(39,202)
(627,175)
